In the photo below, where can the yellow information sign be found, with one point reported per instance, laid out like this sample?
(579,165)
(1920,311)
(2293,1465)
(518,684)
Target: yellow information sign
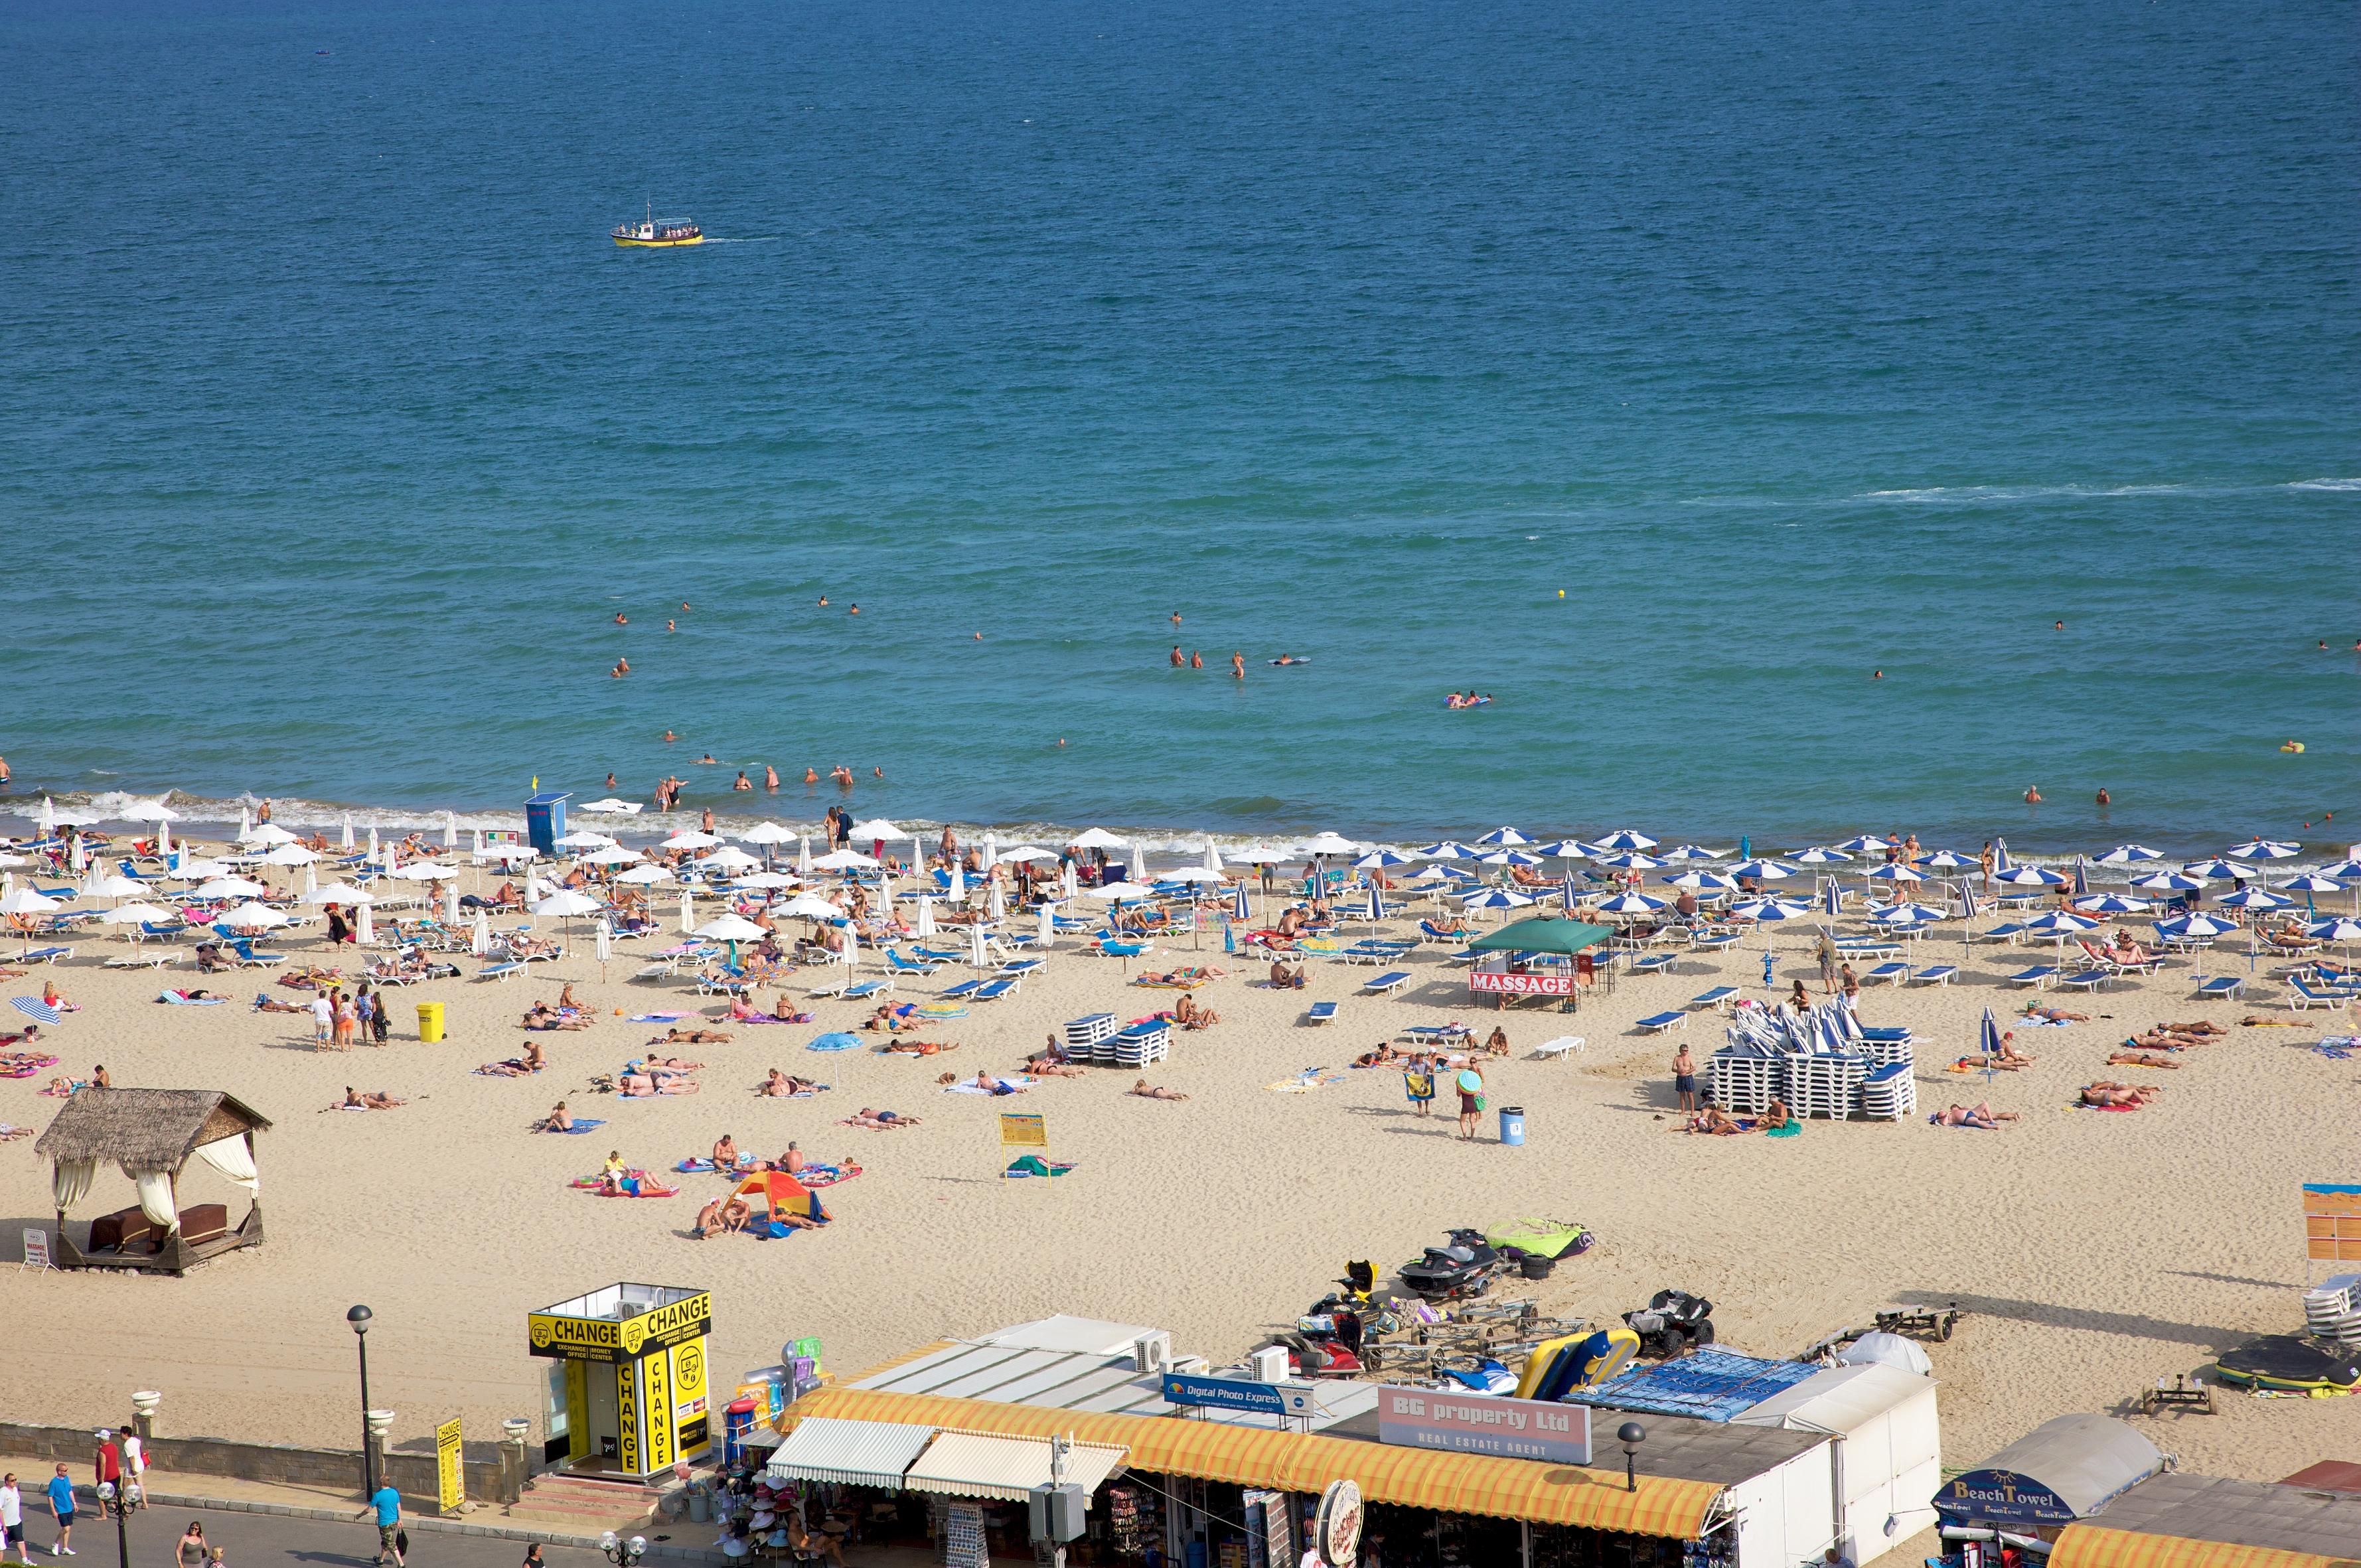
(1023,1133)
(451,1483)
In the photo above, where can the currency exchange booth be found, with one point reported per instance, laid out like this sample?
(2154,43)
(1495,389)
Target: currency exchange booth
(627,1392)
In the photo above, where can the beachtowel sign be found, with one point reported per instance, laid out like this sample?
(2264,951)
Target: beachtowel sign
(2332,1221)
(1023,1133)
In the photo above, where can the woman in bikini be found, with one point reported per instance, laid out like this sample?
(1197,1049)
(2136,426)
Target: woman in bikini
(1147,1090)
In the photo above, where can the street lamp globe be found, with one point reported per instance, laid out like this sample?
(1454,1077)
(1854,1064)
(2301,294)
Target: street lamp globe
(359,1318)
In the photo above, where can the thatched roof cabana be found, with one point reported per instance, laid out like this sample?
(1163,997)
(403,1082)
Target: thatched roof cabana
(151,1134)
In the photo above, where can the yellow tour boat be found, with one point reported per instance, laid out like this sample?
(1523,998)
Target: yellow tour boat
(653,233)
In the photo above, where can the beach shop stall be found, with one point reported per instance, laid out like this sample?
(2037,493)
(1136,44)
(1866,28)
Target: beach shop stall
(1197,1466)
(2010,1510)
(1549,957)
(628,1387)
(151,1135)
(2181,1520)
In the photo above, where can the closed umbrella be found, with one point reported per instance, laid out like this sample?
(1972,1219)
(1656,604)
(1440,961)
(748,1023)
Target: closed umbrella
(2001,861)
(450,831)
(924,927)
(957,892)
(976,953)
(1049,926)
(803,855)
(1067,887)
(688,913)
(344,839)
(1213,862)
(479,939)
(374,859)
(366,935)
(1241,905)
(995,905)
(1139,863)
(603,941)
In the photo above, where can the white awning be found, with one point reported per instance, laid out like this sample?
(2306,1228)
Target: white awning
(852,1454)
(964,1464)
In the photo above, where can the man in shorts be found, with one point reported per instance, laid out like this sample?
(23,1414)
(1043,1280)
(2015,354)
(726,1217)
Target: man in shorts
(12,1520)
(387,1504)
(61,1503)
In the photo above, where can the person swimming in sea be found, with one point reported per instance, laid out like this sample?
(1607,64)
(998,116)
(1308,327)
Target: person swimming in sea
(622,619)
(622,667)
(742,780)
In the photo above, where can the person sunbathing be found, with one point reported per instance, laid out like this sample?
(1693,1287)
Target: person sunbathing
(2054,1014)
(2107,1094)
(725,1152)
(1147,1090)
(991,1085)
(643,1086)
(1283,978)
(266,1002)
(210,959)
(559,1119)
(917,1048)
(1977,1115)
(1189,1015)
(1384,1056)
(792,1161)
(661,1066)
(2142,1058)
(1048,1064)
(541,1017)
(881,1120)
(567,1002)
(1715,1120)
(55,998)
(744,1012)
(1290,921)
(786,1086)
(692,1037)
(374,1100)
(1453,926)
(883,1018)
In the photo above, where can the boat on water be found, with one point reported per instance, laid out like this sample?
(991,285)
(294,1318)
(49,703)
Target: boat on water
(653,233)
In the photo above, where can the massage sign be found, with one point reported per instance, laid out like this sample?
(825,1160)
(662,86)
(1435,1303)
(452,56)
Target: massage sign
(635,1381)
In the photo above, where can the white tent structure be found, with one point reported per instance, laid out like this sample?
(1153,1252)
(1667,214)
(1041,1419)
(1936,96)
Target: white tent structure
(1888,1451)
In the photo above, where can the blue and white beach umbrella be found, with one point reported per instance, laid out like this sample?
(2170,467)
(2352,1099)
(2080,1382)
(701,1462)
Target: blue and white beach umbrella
(1380,860)
(2311,882)
(1897,872)
(1946,861)
(2061,922)
(2347,871)
(1239,907)
(1906,914)
(1763,871)
(1865,844)
(1569,893)
(1633,904)
(2112,904)
(2081,878)
(1698,881)
(33,1008)
(2030,876)
(2195,925)
(1509,858)
(1831,898)
(2255,898)
(2340,929)
(1819,855)
(2001,861)
(1625,839)
(1687,852)
(2167,882)
(1564,848)
(1375,910)
(1448,850)
(2264,850)
(2128,855)
(1629,860)
(1504,838)
(1494,898)
(2216,870)
(1769,909)
(1970,904)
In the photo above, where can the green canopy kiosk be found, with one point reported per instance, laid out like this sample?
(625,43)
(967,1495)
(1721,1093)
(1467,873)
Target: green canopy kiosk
(1506,977)
(628,1395)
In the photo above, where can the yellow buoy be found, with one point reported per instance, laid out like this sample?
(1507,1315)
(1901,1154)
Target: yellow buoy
(1561,593)
(2292,746)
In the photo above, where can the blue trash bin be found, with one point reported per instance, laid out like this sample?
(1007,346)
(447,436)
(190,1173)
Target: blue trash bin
(1512,1125)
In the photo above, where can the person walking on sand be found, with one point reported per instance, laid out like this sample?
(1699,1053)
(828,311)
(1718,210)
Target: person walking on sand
(387,1502)
(1827,963)
(1471,1101)
(1684,1078)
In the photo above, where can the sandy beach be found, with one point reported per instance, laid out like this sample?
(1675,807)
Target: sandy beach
(2093,1253)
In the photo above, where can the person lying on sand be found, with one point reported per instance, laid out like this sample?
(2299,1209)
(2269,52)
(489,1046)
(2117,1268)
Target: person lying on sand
(374,1100)
(1977,1115)
(1384,1056)
(1049,1064)
(643,1086)
(2054,1014)
(543,1017)
(881,1120)
(691,1038)
(1148,1090)
(2265,1021)
(558,1120)
(2106,1094)
(1283,978)
(2142,1058)
(881,1019)
(1189,1015)
(1714,1118)
(266,1002)
(661,1065)
(784,1086)
(917,1047)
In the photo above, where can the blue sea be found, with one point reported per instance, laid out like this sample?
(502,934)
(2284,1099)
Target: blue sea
(1666,372)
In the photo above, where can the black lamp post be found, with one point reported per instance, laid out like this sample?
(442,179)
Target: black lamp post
(115,1497)
(1632,1434)
(359,1318)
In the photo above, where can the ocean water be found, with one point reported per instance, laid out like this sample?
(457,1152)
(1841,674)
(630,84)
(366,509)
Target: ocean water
(1664,371)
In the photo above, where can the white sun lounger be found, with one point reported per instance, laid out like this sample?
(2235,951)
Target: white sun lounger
(499,972)
(1563,1047)
(142,960)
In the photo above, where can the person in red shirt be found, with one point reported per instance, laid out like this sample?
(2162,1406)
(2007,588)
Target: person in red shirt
(108,1461)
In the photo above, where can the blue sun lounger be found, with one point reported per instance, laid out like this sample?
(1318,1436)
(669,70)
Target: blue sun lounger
(2087,980)
(962,991)
(2219,987)
(1017,969)
(900,965)
(1891,1034)
(1893,974)
(497,971)
(1933,974)
(1392,980)
(1717,998)
(992,990)
(1652,963)
(2001,933)
(44,955)
(2037,977)
(1321,1013)
(1657,1023)
(865,989)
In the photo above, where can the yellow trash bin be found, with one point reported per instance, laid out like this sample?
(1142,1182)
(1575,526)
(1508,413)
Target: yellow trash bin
(430,1021)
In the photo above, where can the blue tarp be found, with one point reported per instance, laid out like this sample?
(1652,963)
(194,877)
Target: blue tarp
(1708,1385)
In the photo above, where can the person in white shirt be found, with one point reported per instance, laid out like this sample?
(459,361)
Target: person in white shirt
(12,1520)
(324,1017)
(135,1467)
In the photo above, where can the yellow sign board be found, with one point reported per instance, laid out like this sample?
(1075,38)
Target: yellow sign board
(451,1483)
(626,1338)
(1023,1133)
(659,1408)
(627,1417)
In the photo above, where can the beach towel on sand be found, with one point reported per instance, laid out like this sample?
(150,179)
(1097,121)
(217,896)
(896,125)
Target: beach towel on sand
(579,1128)
(659,1017)
(1015,1081)
(1033,1165)
(182,999)
(1792,1130)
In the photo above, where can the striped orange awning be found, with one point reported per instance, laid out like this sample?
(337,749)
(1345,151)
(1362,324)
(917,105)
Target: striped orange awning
(1301,1461)
(2090,1546)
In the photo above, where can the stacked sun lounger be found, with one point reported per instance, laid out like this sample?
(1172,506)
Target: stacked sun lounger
(1139,1044)
(1825,1084)
(1889,1093)
(1746,1075)
(2333,1312)
(1084,1034)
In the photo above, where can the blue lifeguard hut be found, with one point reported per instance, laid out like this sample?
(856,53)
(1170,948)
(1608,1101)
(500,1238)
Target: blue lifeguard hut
(545,819)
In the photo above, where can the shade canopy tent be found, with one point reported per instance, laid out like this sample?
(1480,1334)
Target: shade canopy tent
(152,1134)
(2063,1470)
(1888,1458)
(2185,1519)
(1544,934)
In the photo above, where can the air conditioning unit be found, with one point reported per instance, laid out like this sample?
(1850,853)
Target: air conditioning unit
(1269,1364)
(1151,1352)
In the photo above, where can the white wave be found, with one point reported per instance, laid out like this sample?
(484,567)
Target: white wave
(1972,494)
(2325,484)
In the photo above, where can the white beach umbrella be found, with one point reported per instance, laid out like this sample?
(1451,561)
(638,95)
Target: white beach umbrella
(614,855)
(150,811)
(289,854)
(1026,852)
(585,838)
(844,860)
(1121,892)
(690,839)
(1197,876)
(809,906)
(644,876)
(565,902)
(611,807)
(121,886)
(135,914)
(1325,843)
(766,880)
(250,917)
(229,887)
(198,870)
(1100,838)
(513,854)
(768,833)
(337,892)
(266,833)
(730,928)
(876,829)
(729,859)
(420,870)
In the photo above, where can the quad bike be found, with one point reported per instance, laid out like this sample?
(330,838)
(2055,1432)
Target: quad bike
(1672,1325)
